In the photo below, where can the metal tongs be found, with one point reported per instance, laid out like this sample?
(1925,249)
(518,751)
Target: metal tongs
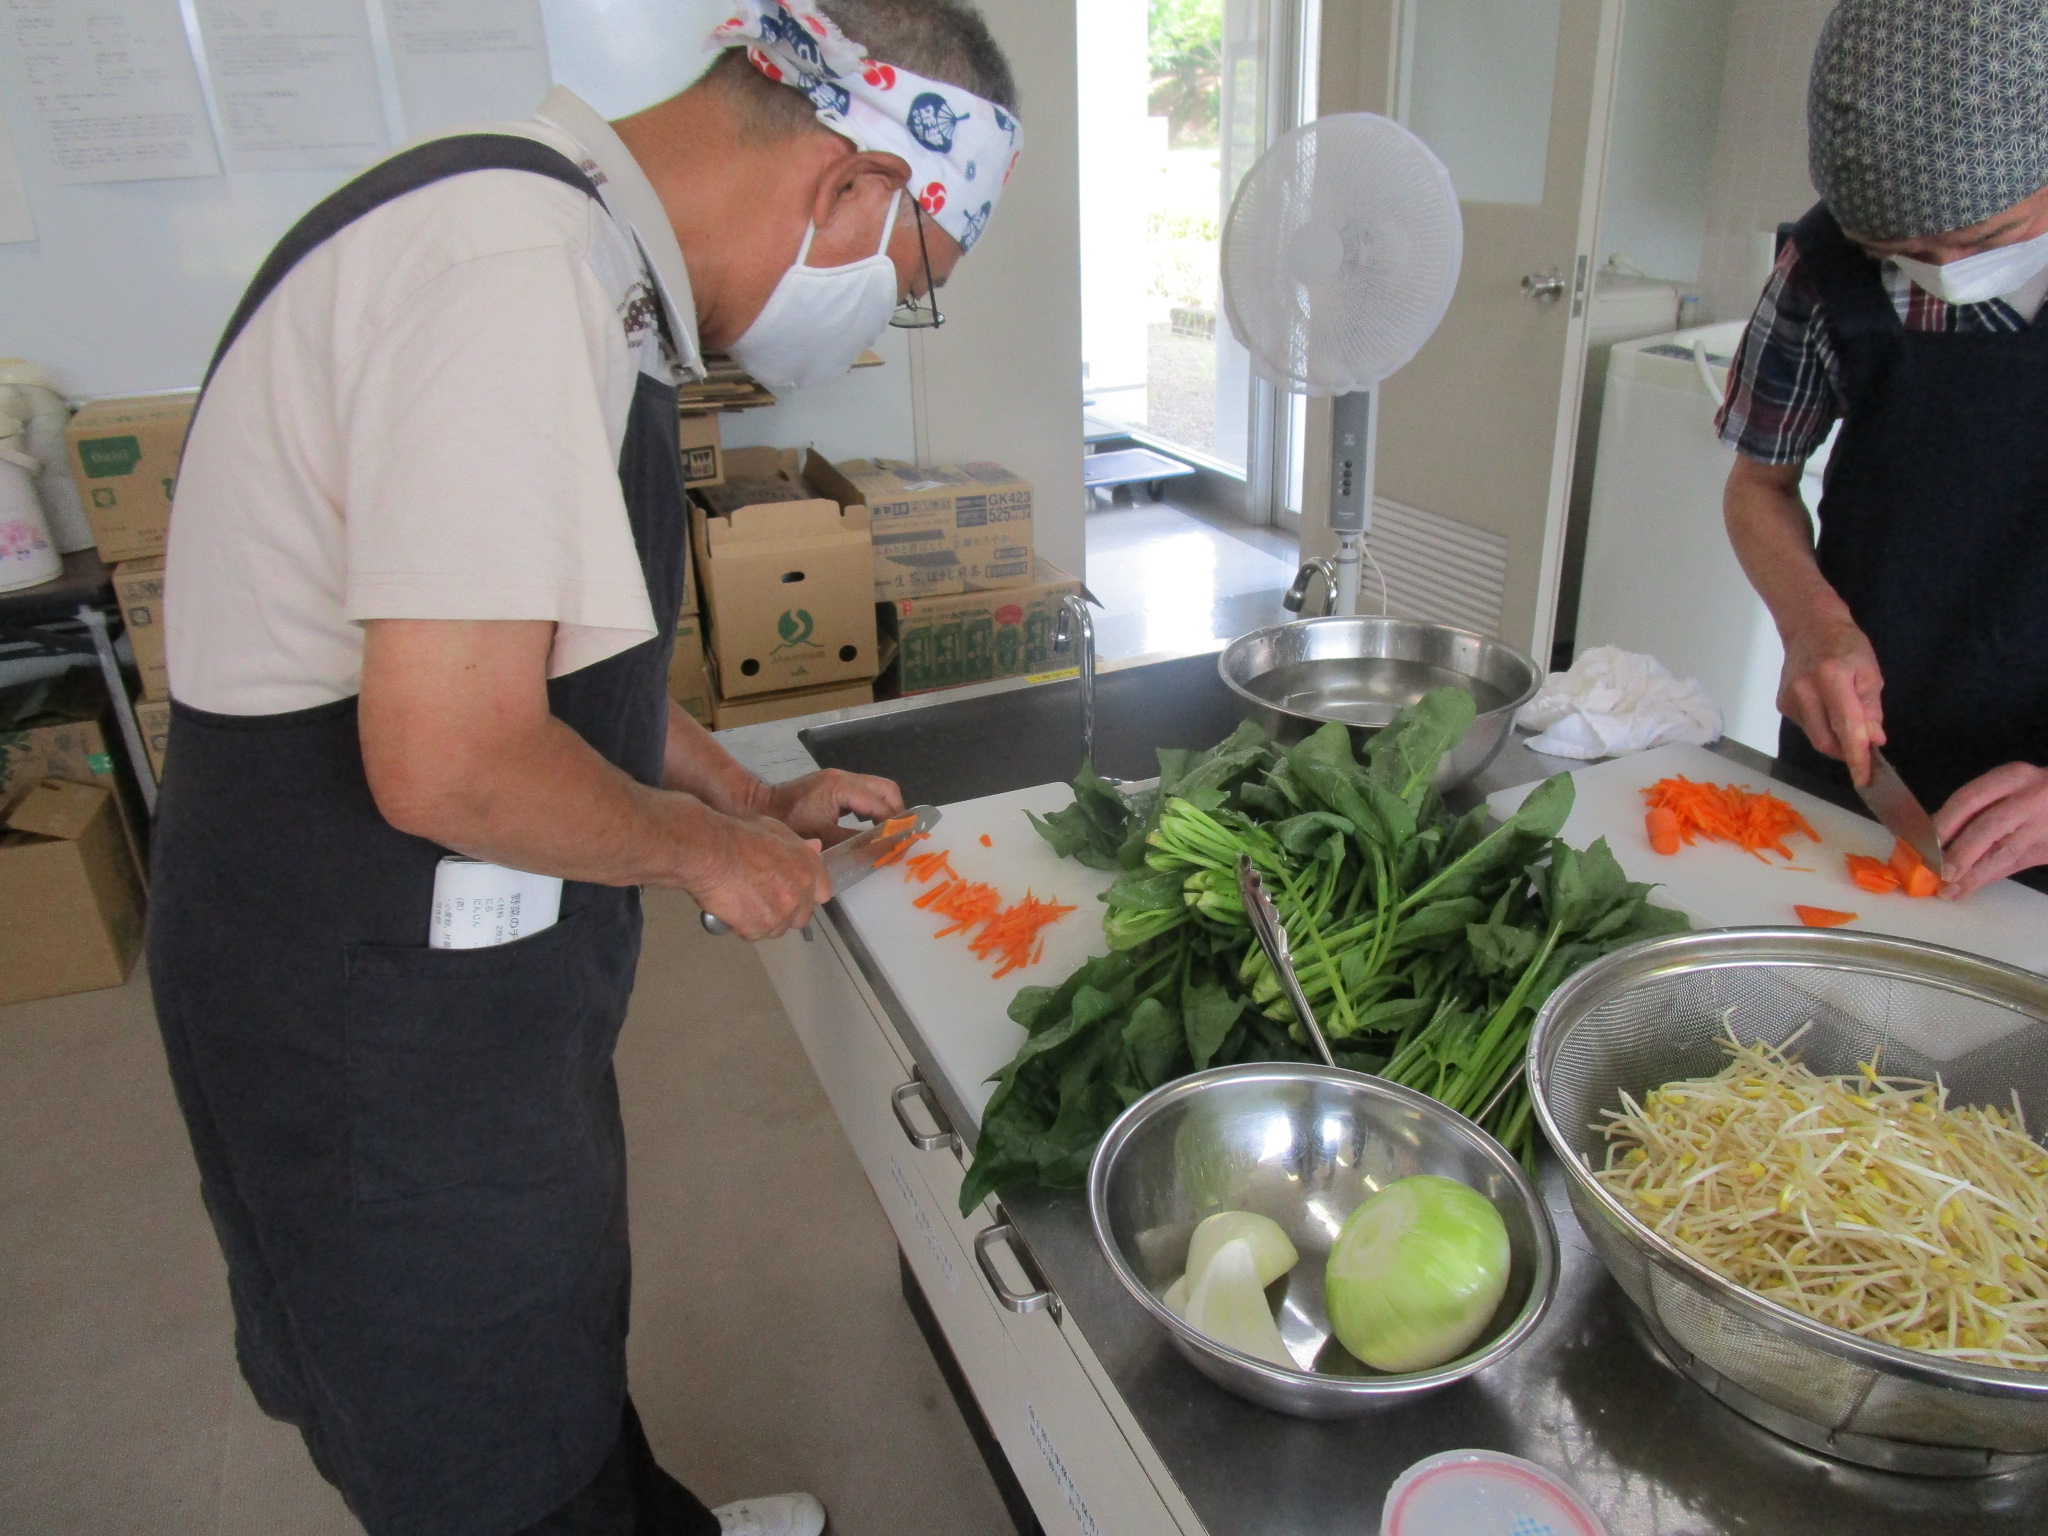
(1258,906)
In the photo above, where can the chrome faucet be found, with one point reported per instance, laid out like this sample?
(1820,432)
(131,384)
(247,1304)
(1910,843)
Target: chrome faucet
(1077,628)
(1297,595)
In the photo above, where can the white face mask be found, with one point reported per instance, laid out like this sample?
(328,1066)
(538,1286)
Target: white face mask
(1993,274)
(819,319)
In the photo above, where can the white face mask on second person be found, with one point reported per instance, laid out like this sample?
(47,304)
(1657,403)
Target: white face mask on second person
(1993,274)
(819,319)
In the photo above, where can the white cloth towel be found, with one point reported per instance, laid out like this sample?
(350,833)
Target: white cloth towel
(1614,702)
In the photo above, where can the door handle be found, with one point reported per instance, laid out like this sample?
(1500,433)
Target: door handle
(938,1139)
(1544,288)
(1040,1300)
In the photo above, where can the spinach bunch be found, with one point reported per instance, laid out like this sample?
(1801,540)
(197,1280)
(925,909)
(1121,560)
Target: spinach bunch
(1425,941)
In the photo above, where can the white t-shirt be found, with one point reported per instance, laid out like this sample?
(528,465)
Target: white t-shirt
(424,421)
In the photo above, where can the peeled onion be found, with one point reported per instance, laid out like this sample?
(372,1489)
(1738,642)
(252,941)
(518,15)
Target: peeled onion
(1228,1304)
(1417,1273)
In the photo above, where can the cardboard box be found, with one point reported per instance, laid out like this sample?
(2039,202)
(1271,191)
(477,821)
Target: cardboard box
(975,637)
(63,729)
(942,528)
(787,583)
(729,715)
(139,589)
(70,902)
(153,719)
(689,678)
(703,456)
(124,455)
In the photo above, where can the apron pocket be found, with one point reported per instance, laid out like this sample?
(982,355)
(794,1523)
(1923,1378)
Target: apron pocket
(470,1066)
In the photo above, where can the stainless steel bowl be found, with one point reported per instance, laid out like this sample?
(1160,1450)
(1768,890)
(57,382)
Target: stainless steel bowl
(1304,1145)
(1361,672)
(1639,1019)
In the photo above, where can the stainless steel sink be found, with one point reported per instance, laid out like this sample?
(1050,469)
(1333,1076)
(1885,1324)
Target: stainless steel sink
(965,748)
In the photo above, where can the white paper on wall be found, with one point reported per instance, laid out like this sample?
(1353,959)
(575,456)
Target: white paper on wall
(466,61)
(295,82)
(113,89)
(17,222)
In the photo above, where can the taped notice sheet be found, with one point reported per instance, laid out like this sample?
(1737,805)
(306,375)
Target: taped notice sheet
(112,89)
(295,82)
(479,905)
(466,61)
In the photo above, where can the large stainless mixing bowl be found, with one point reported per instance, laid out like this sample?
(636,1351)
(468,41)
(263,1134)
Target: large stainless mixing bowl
(1639,1019)
(1361,672)
(1304,1145)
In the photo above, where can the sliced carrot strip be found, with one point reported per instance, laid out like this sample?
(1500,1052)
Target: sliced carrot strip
(1823,917)
(1755,822)
(1872,875)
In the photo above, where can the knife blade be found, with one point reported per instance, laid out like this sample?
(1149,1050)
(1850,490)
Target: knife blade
(850,862)
(1892,803)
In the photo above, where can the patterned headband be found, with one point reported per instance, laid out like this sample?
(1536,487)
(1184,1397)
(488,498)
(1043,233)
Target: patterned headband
(960,148)
(1929,115)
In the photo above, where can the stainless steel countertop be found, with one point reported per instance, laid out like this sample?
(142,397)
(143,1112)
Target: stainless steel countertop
(1588,1395)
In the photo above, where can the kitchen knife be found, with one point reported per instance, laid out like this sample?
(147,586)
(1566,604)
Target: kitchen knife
(850,862)
(1892,803)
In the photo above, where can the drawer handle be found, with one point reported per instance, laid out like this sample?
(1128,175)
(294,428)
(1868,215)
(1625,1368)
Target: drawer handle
(1040,1300)
(925,1141)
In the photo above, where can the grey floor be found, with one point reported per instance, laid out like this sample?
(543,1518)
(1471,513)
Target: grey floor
(1170,578)
(771,1346)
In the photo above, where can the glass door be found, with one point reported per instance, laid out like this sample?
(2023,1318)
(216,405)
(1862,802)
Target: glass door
(1178,98)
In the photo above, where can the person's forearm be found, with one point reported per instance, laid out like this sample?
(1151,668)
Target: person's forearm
(549,804)
(694,763)
(1773,539)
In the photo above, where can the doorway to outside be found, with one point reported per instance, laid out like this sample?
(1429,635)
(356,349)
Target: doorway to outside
(1178,98)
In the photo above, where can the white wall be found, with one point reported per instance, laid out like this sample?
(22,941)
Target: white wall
(1667,110)
(1759,177)
(1002,378)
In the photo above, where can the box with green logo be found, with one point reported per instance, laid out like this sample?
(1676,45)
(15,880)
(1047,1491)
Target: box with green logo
(124,456)
(975,637)
(787,575)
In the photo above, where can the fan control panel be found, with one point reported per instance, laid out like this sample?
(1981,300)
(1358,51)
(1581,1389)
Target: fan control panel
(1351,450)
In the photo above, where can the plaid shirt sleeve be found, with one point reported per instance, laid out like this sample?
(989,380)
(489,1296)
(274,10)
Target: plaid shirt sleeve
(1783,392)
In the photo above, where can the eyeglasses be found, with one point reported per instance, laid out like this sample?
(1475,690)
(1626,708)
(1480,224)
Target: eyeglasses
(915,314)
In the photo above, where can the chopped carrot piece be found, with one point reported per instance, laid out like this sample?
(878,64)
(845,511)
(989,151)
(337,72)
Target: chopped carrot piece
(1662,825)
(897,824)
(1011,936)
(1912,871)
(1872,875)
(987,841)
(1755,822)
(1823,917)
(927,867)
(895,855)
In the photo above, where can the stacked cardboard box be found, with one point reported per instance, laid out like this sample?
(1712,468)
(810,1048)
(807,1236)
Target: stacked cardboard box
(786,567)
(70,855)
(943,528)
(139,589)
(975,637)
(124,456)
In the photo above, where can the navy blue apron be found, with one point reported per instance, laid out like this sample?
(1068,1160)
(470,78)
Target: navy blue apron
(413,1157)
(1934,526)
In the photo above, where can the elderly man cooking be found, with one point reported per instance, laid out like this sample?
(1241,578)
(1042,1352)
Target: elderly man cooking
(423,578)
(1908,307)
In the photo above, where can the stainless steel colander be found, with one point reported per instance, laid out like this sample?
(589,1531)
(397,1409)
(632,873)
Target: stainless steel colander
(1639,1019)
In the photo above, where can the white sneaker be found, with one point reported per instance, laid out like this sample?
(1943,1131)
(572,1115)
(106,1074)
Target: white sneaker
(781,1514)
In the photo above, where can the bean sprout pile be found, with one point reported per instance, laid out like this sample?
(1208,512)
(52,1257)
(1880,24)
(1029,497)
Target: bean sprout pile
(1865,1202)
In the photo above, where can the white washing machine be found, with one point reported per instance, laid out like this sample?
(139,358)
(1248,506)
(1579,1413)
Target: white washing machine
(1659,574)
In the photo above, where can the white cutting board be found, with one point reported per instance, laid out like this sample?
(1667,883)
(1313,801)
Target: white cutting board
(959,1009)
(1720,886)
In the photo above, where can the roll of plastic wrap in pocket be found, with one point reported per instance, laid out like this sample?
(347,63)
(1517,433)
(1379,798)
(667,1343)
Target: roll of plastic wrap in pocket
(477,905)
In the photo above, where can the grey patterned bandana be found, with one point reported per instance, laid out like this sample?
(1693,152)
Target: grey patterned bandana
(1928,115)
